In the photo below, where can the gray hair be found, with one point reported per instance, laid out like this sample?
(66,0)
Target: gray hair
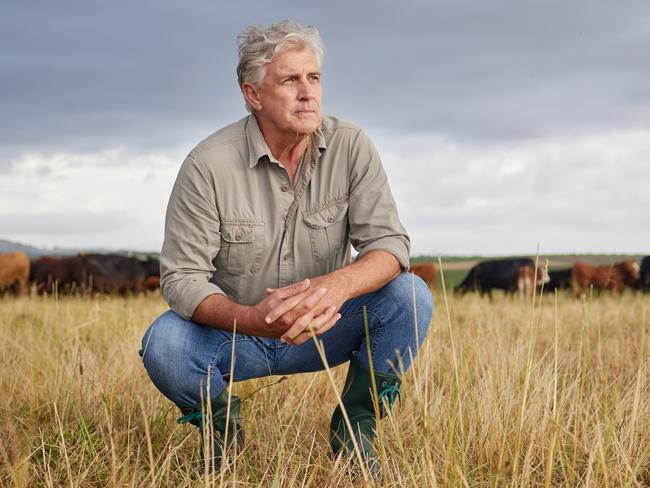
(259,45)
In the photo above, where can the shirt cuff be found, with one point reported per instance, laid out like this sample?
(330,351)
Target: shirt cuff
(397,246)
(187,294)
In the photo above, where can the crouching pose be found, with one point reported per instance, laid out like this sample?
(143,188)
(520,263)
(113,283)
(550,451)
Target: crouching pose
(258,233)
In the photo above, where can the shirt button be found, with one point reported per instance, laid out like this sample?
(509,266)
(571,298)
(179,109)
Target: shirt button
(284,188)
(330,219)
(238,237)
(286,257)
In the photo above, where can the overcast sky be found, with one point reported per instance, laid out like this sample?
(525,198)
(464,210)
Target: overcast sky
(501,124)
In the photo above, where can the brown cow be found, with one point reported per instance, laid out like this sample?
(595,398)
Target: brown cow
(426,271)
(612,277)
(14,272)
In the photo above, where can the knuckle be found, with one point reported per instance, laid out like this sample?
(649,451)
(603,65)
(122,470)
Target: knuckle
(301,322)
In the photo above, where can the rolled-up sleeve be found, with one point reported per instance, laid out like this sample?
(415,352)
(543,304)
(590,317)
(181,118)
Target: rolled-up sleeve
(192,240)
(372,215)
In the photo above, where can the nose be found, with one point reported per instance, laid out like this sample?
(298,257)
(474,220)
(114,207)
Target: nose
(306,91)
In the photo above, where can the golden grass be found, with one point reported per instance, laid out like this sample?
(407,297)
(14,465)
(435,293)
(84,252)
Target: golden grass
(502,394)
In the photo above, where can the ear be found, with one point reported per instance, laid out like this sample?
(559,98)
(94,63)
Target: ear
(252,95)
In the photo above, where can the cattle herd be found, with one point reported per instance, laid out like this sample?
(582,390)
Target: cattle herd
(117,274)
(83,273)
(519,275)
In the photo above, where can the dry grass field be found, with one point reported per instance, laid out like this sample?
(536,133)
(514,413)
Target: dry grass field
(504,393)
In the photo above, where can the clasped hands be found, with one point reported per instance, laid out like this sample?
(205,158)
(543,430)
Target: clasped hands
(295,312)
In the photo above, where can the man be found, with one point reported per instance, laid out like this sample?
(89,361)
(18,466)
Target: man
(257,237)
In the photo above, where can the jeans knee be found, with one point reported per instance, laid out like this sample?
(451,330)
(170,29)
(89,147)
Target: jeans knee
(414,299)
(162,345)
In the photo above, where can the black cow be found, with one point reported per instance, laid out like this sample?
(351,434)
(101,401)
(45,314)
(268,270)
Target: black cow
(100,273)
(110,273)
(644,281)
(63,275)
(558,280)
(500,274)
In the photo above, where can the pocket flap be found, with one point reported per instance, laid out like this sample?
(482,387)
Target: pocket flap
(240,232)
(326,216)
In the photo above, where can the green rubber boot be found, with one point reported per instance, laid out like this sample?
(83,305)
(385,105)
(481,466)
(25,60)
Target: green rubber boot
(219,407)
(358,402)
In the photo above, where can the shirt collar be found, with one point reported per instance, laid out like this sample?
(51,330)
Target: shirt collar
(257,147)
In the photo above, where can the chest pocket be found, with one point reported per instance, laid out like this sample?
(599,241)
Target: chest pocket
(327,229)
(242,247)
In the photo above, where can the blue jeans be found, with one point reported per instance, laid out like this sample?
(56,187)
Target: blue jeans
(183,357)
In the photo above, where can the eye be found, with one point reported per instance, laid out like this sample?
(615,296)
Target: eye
(315,78)
(288,80)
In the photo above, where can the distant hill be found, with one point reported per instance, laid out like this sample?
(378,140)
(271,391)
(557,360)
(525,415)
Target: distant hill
(10,246)
(35,252)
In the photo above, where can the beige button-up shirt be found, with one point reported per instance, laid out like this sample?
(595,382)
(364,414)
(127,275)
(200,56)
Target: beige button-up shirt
(236,225)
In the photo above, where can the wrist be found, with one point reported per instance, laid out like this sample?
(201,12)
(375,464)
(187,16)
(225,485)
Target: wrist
(251,318)
(345,282)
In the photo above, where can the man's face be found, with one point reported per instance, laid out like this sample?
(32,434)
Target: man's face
(289,101)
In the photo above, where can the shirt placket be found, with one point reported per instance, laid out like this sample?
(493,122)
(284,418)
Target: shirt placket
(287,272)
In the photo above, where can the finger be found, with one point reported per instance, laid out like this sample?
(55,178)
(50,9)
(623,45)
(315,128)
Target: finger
(316,326)
(298,326)
(269,291)
(329,325)
(281,307)
(308,334)
(291,290)
(302,337)
(310,298)
(322,320)
(306,303)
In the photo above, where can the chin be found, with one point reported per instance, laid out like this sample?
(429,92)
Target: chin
(306,131)
(307,127)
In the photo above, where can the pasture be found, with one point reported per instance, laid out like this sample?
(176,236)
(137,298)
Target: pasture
(508,392)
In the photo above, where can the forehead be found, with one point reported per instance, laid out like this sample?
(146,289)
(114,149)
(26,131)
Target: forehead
(292,60)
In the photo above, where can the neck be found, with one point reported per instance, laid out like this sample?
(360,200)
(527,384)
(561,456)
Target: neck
(288,149)
(289,153)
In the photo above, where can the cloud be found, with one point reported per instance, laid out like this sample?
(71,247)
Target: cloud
(153,74)
(567,194)
(61,224)
(113,198)
(584,193)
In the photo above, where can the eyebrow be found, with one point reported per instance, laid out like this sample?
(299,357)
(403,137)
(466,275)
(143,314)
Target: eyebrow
(290,74)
